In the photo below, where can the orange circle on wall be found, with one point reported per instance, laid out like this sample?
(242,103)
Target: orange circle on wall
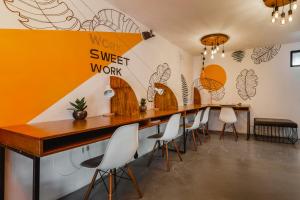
(213,77)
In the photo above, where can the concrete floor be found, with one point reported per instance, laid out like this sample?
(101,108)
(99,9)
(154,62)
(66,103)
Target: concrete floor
(219,170)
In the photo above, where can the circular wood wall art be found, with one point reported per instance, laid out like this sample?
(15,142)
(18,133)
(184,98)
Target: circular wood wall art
(272,3)
(214,39)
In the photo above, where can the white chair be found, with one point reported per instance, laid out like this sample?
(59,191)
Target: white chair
(119,152)
(228,117)
(204,122)
(194,128)
(171,132)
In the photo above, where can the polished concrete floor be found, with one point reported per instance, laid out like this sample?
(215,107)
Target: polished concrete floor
(219,170)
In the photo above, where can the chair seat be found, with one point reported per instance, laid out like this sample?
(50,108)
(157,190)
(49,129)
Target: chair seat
(92,162)
(156,136)
(188,127)
(227,115)
(228,121)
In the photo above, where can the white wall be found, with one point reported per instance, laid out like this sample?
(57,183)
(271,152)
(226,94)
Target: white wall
(61,173)
(277,93)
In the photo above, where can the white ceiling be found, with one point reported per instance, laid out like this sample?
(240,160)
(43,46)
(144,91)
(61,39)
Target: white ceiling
(184,22)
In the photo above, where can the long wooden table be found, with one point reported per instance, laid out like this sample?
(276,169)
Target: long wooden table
(42,139)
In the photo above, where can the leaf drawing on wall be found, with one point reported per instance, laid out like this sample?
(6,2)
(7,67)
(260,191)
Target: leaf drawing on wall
(218,95)
(112,20)
(162,75)
(246,84)
(265,54)
(44,14)
(184,90)
(238,55)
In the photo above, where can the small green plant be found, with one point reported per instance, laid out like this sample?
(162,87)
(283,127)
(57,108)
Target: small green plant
(78,105)
(143,101)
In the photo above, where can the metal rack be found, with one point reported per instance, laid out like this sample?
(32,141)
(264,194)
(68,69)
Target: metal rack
(275,130)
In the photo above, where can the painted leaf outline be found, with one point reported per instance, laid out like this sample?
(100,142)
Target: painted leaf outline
(218,95)
(44,14)
(184,90)
(238,55)
(246,84)
(162,75)
(115,20)
(265,54)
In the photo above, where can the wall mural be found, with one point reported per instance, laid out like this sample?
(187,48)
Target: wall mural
(265,54)
(97,52)
(43,73)
(162,75)
(184,90)
(56,15)
(44,14)
(113,19)
(246,84)
(218,95)
(238,55)
(212,79)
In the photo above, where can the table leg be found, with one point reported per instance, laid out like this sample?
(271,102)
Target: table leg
(36,179)
(248,124)
(184,135)
(2,172)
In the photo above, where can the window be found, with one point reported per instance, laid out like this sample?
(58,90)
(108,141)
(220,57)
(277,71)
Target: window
(295,58)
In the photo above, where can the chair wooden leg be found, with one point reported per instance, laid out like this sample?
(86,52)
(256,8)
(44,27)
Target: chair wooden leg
(203,131)
(194,140)
(177,150)
(152,154)
(235,133)
(163,150)
(223,131)
(110,187)
(134,182)
(115,178)
(199,137)
(206,129)
(91,185)
(167,157)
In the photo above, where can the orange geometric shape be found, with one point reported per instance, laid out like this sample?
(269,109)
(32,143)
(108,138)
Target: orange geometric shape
(38,68)
(213,77)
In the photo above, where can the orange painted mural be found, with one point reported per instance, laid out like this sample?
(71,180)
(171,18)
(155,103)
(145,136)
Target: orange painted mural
(213,77)
(40,67)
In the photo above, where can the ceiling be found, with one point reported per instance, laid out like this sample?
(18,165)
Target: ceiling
(184,22)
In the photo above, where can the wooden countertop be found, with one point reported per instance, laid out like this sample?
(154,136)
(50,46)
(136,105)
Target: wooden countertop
(52,129)
(35,138)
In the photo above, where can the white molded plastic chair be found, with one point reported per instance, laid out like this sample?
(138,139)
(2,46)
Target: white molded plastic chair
(204,121)
(171,132)
(119,152)
(227,115)
(194,128)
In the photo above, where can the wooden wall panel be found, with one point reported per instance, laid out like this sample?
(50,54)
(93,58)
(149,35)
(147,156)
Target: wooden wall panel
(166,101)
(197,97)
(124,102)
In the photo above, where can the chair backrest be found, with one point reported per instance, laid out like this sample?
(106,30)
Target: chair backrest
(172,128)
(121,147)
(205,117)
(196,123)
(227,115)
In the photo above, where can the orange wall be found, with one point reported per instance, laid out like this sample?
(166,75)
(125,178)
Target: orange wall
(40,67)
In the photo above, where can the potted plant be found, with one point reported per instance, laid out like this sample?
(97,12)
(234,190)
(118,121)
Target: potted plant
(78,107)
(143,107)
